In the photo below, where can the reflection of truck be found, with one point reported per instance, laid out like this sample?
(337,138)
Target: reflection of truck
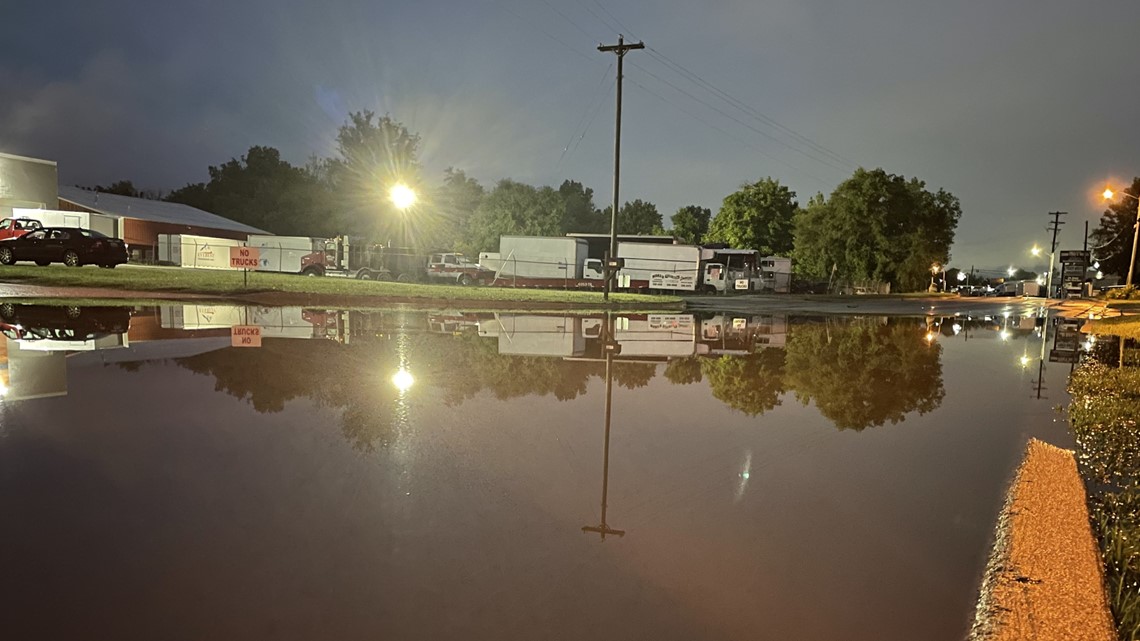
(106,225)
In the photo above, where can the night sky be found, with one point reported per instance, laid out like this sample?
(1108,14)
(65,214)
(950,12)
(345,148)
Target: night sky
(1018,108)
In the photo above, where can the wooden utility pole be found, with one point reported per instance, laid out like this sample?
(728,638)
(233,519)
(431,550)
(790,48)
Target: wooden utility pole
(621,48)
(611,346)
(1054,227)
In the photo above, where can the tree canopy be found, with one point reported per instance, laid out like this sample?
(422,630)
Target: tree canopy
(262,190)
(758,216)
(877,226)
(1112,238)
(514,208)
(691,224)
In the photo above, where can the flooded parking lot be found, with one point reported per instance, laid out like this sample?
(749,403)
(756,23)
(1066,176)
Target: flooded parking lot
(409,475)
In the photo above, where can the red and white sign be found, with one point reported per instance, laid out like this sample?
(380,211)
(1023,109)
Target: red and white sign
(244,257)
(245,336)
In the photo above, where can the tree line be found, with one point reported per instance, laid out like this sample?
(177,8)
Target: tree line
(873,226)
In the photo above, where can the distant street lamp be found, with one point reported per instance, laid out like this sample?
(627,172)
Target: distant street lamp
(1036,251)
(1011,271)
(934,272)
(1108,195)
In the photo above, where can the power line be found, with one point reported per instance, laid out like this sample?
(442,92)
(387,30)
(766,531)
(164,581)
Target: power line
(738,139)
(591,112)
(822,161)
(568,19)
(547,34)
(614,18)
(745,107)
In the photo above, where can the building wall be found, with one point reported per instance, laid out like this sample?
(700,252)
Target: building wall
(141,236)
(26,182)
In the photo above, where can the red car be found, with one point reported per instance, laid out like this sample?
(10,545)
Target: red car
(16,227)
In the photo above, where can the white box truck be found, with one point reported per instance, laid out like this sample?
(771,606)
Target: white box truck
(199,252)
(285,253)
(106,225)
(537,257)
(676,267)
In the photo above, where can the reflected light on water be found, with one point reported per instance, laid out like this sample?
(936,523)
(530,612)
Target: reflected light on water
(403,380)
(930,337)
(1024,361)
(1004,334)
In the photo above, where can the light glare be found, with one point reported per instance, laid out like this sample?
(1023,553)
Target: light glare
(402,196)
(403,380)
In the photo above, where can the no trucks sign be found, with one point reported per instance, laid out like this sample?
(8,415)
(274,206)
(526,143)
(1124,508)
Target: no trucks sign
(244,257)
(245,336)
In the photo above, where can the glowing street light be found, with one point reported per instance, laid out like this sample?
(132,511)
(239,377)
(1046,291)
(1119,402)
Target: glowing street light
(402,196)
(1108,195)
(1036,251)
(1011,271)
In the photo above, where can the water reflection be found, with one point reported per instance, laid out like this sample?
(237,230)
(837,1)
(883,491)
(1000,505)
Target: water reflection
(857,372)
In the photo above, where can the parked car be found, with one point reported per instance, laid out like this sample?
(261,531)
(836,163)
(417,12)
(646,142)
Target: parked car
(16,227)
(71,246)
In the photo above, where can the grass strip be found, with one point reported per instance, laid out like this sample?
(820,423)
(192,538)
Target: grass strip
(1104,411)
(229,283)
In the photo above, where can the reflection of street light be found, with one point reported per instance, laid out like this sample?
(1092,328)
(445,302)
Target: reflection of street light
(1108,195)
(403,380)
(1024,360)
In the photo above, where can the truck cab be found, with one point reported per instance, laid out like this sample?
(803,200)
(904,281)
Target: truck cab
(453,267)
(16,227)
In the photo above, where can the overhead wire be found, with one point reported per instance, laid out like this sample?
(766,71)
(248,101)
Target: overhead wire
(740,140)
(588,118)
(745,107)
(822,161)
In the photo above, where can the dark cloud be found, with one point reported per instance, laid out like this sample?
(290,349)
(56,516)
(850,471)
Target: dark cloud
(1016,108)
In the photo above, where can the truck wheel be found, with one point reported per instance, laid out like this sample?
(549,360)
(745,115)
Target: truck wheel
(312,271)
(70,258)
(465,280)
(710,289)
(364,274)
(404,278)
(6,256)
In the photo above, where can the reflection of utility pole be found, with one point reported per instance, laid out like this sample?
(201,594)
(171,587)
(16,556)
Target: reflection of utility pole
(1039,384)
(611,347)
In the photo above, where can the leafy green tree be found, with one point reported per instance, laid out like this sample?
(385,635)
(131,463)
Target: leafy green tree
(864,373)
(513,208)
(442,223)
(691,224)
(120,187)
(1112,238)
(581,214)
(877,226)
(759,216)
(636,217)
(264,191)
(373,154)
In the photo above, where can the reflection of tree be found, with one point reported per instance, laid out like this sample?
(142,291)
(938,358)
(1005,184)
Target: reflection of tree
(752,384)
(633,375)
(353,379)
(467,364)
(684,371)
(862,374)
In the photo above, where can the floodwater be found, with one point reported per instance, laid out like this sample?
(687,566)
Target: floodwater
(402,475)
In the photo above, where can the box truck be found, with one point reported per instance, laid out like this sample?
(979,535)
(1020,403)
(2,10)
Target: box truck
(106,225)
